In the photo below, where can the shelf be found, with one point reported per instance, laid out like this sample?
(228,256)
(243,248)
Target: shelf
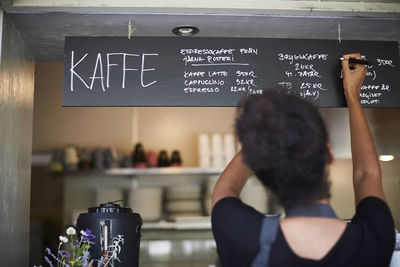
(164,171)
(43,159)
(195,223)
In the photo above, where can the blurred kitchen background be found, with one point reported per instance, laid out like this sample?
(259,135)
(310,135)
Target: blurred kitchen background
(174,202)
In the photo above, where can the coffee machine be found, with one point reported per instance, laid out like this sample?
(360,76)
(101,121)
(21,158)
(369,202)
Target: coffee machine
(110,222)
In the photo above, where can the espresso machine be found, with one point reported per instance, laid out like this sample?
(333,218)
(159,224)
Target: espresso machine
(109,223)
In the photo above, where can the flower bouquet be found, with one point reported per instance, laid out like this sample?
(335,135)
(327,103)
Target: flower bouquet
(75,252)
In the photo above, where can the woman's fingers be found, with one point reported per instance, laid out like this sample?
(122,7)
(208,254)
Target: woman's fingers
(353,75)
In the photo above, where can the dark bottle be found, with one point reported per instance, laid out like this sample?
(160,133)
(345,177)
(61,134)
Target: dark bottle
(163,159)
(139,157)
(176,160)
(98,159)
(85,159)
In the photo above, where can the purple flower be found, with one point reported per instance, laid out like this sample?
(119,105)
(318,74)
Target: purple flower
(63,253)
(87,236)
(100,262)
(85,257)
(89,233)
(48,261)
(54,258)
(50,253)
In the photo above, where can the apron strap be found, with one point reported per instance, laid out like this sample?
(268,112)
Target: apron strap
(269,230)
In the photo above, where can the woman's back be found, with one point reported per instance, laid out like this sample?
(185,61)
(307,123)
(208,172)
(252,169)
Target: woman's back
(311,237)
(366,241)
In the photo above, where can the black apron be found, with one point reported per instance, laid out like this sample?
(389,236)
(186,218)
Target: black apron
(270,226)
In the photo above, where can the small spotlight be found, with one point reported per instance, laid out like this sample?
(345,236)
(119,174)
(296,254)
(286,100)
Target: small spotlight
(386,157)
(185,30)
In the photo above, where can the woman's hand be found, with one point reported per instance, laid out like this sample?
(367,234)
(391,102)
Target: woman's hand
(353,77)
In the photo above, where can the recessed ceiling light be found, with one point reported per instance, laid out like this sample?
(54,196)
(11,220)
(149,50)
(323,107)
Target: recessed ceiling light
(185,30)
(386,157)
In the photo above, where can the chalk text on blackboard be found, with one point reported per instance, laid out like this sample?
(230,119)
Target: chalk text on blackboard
(293,57)
(98,69)
(385,62)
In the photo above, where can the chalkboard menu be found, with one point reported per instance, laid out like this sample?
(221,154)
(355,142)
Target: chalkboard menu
(173,71)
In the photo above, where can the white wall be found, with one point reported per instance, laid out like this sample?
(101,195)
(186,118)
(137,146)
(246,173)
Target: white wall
(342,187)
(55,126)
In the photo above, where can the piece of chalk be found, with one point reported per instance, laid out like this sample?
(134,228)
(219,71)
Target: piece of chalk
(357,61)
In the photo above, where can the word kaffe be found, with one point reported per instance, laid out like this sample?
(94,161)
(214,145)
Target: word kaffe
(124,60)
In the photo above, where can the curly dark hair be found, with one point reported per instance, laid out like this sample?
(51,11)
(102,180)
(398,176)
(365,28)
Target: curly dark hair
(284,142)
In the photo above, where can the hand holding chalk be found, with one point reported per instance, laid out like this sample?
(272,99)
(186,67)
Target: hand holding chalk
(352,78)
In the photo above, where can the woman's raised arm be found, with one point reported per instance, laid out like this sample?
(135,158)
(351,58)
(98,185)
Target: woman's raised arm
(367,178)
(232,179)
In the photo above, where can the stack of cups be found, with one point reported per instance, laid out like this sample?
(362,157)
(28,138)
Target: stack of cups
(229,148)
(217,150)
(204,151)
(217,153)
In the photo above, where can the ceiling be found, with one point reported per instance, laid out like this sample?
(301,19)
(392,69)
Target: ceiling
(44,33)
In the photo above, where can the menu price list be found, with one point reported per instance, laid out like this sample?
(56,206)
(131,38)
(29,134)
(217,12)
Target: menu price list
(222,70)
(302,75)
(305,75)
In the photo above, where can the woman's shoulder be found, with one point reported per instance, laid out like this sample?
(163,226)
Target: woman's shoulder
(372,227)
(229,207)
(373,212)
(236,228)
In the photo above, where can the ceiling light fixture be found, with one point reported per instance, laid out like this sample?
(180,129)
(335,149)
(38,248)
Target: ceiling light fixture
(386,157)
(185,30)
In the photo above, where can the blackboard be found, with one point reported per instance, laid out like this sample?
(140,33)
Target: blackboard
(173,71)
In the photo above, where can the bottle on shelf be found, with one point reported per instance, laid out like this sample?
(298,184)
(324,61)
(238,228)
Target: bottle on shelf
(139,157)
(176,160)
(163,159)
(151,159)
(85,159)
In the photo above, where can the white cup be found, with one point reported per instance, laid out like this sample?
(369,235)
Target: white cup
(204,144)
(205,161)
(216,144)
(71,156)
(217,150)
(229,148)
